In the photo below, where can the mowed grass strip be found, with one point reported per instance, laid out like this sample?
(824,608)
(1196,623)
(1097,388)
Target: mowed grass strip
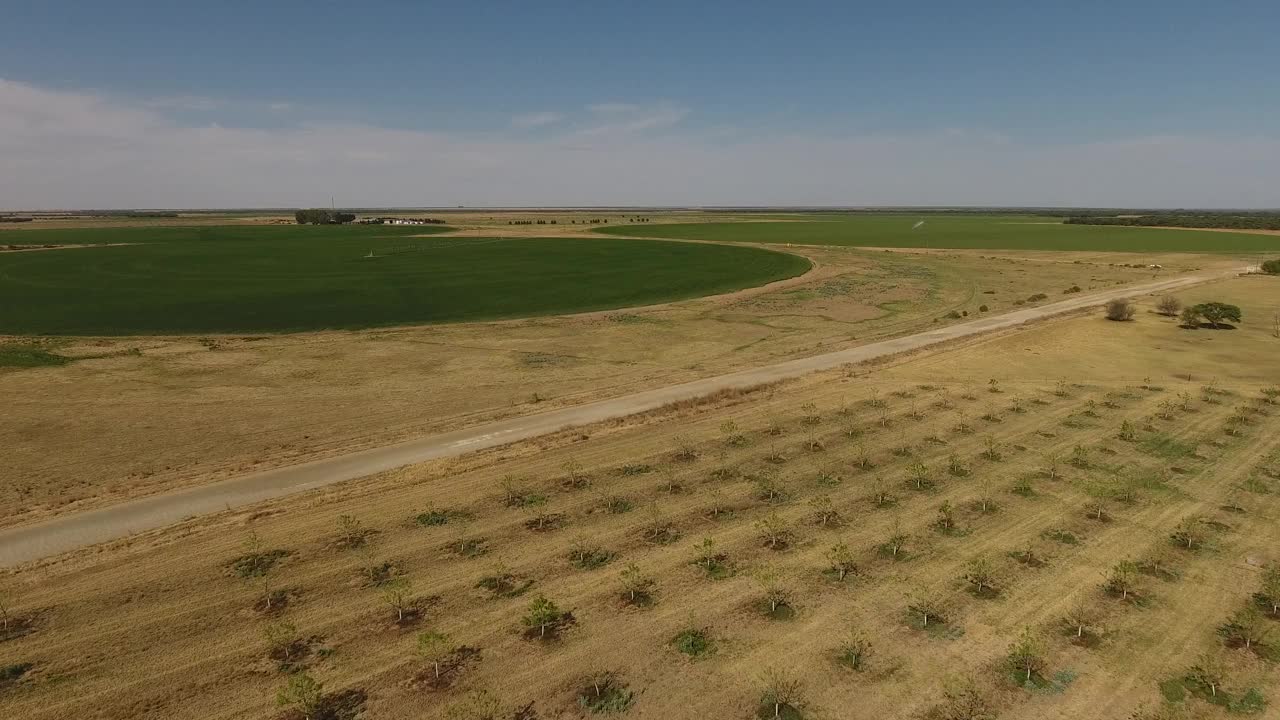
(956,232)
(283,282)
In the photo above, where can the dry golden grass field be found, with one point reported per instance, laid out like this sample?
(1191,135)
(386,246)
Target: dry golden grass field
(145,414)
(1103,496)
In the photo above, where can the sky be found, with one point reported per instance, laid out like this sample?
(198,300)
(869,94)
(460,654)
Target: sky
(1126,103)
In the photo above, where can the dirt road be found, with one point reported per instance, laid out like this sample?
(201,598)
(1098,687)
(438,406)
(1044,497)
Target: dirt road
(35,541)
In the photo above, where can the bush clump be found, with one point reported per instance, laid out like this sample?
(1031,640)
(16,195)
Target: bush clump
(1120,309)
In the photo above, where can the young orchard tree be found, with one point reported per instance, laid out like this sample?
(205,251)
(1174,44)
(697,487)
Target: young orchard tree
(956,466)
(512,493)
(705,554)
(774,587)
(881,495)
(824,510)
(782,691)
(1026,656)
(1270,592)
(927,609)
(1158,562)
(810,413)
(282,639)
(855,650)
(992,451)
(1082,618)
(773,531)
(304,693)
(1246,628)
(914,412)
(715,504)
(575,477)
(1096,510)
(733,436)
(4,613)
(1052,465)
(542,614)
(981,575)
(946,520)
(1210,670)
(1121,580)
(862,459)
(670,484)
(919,473)
(812,443)
(1185,401)
(767,486)
(985,503)
(1128,431)
(434,647)
(636,584)
(351,532)
(397,595)
(840,561)
(1188,534)
(259,566)
(897,540)
(1079,457)
(660,529)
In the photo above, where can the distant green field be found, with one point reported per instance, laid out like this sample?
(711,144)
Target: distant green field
(283,279)
(972,232)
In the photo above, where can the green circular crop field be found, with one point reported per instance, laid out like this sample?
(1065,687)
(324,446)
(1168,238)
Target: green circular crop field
(286,279)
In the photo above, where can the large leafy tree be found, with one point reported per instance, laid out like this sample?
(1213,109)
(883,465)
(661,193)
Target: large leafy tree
(1217,312)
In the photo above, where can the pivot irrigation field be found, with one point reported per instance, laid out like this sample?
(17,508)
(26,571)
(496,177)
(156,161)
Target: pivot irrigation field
(1000,232)
(281,279)
(1077,520)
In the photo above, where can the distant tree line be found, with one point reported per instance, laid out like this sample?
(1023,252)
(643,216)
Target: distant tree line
(385,220)
(321,216)
(1233,220)
(14,219)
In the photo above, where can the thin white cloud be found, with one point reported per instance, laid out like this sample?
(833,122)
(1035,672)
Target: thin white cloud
(536,119)
(192,103)
(612,108)
(69,149)
(623,119)
(280,106)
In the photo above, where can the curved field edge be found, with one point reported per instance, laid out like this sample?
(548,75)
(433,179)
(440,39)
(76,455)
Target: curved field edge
(960,233)
(303,282)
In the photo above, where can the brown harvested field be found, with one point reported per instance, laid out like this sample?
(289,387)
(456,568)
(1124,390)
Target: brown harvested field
(149,414)
(160,626)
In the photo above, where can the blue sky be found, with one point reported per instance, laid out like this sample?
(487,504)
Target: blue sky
(945,102)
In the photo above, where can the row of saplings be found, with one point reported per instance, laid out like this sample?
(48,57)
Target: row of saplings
(606,692)
(1214,315)
(782,693)
(544,620)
